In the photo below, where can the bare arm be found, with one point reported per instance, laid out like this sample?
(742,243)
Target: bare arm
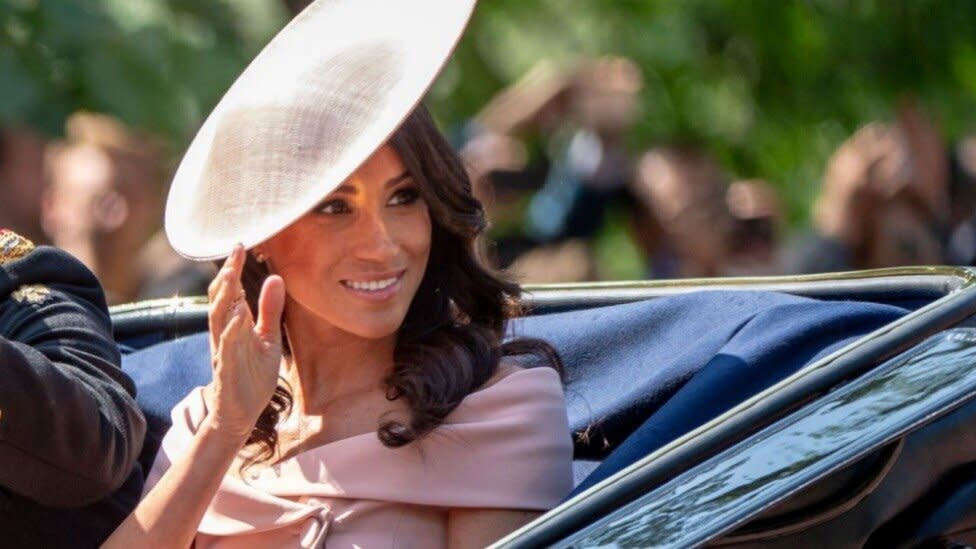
(168,516)
(246,361)
(477,528)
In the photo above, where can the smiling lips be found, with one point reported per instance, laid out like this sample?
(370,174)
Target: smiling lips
(375,289)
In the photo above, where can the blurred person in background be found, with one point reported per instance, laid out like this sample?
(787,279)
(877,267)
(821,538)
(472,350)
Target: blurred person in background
(961,246)
(21,181)
(757,220)
(884,202)
(103,204)
(505,150)
(580,115)
(681,220)
(71,428)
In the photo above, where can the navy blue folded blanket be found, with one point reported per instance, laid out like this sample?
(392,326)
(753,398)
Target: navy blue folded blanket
(650,370)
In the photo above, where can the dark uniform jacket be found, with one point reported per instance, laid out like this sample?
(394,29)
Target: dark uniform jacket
(70,429)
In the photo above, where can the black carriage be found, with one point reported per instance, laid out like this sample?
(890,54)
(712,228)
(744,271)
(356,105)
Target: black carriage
(816,411)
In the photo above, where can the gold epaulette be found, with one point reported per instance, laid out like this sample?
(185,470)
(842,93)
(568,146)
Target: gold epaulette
(13,246)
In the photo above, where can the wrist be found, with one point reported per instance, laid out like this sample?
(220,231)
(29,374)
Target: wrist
(223,435)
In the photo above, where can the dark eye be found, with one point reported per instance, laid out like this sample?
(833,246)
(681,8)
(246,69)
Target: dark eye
(333,207)
(405,196)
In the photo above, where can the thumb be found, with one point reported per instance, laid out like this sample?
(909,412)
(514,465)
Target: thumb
(271,304)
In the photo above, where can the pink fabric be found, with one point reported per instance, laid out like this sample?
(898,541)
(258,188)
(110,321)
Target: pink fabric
(506,447)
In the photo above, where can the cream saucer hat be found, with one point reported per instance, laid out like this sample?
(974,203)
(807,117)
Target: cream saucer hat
(321,97)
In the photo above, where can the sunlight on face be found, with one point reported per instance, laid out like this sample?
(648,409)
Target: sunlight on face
(357,259)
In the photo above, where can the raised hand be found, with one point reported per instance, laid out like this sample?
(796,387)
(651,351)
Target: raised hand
(245,354)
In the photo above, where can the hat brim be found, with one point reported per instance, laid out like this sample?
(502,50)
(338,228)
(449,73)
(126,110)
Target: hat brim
(326,93)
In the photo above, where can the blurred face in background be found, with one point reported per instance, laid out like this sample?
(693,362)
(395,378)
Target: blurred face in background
(886,194)
(683,189)
(756,218)
(102,206)
(902,234)
(911,207)
(81,200)
(606,95)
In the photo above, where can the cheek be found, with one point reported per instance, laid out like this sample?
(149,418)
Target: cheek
(416,235)
(303,271)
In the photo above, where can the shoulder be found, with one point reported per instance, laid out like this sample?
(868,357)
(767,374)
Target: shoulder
(32,277)
(515,432)
(46,294)
(505,369)
(22,263)
(525,402)
(512,380)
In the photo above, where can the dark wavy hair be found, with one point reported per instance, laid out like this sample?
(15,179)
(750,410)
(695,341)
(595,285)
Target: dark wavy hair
(451,341)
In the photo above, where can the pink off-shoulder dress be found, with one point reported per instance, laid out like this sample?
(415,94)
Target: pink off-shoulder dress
(507,446)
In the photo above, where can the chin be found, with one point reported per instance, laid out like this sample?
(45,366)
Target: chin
(374,328)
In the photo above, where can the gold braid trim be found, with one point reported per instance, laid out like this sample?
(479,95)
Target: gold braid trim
(13,246)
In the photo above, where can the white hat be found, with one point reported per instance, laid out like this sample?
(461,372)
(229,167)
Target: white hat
(325,94)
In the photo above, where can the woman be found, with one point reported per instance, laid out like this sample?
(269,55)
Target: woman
(361,394)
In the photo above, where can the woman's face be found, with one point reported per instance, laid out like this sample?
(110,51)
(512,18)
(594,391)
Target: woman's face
(357,259)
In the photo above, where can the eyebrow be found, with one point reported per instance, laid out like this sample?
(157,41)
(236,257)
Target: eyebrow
(349,189)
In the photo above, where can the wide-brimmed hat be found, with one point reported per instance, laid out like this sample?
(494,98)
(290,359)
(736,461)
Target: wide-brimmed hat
(321,97)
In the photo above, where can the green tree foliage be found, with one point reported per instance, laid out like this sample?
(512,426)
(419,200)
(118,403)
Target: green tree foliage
(770,86)
(159,66)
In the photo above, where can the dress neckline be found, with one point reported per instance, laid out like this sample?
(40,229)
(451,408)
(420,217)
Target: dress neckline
(366,444)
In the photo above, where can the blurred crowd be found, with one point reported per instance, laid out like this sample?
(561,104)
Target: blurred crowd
(549,157)
(97,193)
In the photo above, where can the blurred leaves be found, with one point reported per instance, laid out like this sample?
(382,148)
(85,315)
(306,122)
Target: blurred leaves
(159,66)
(770,86)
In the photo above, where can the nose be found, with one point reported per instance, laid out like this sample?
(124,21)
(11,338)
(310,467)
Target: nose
(374,239)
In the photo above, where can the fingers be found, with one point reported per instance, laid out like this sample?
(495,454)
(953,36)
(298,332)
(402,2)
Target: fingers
(229,338)
(224,292)
(228,359)
(271,305)
(245,375)
(231,269)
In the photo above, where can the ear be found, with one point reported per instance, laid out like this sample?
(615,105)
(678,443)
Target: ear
(259,255)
